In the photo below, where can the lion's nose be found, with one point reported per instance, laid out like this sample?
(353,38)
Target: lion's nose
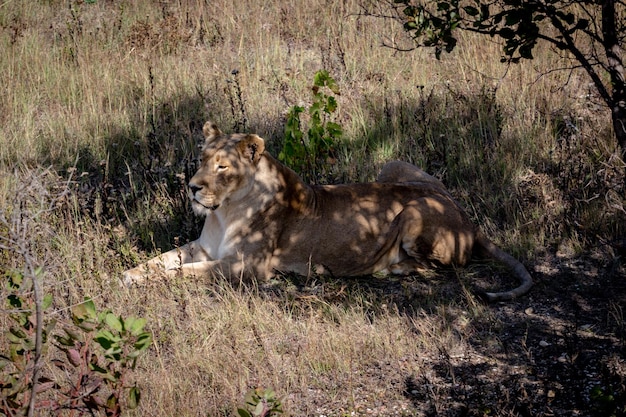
(194,188)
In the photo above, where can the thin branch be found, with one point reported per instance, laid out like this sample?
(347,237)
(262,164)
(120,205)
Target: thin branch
(399,49)
(571,46)
(38,340)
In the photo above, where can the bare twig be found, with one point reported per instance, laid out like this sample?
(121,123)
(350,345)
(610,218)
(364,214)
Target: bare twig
(38,339)
(32,201)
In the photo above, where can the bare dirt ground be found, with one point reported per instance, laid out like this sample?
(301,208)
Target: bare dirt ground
(560,351)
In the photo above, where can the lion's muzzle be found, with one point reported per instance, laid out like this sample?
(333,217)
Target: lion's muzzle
(198,203)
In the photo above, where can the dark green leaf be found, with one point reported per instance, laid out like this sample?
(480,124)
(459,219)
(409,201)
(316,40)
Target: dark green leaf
(438,23)
(143,341)
(16,354)
(134,395)
(526,51)
(410,11)
(512,18)
(320,78)
(29,343)
(315,109)
(331,105)
(102,372)
(15,301)
(15,279)
(569,18)
(17,332)
(106,343)
(450,44)
(334,129)
(471,10)
(13,338)
(507,33)
(65,341)
(484,11)
(582,24)
(113,403)
(332,85)
(443,5)
(243,413)
(106,339)
(498,18)
(114,352)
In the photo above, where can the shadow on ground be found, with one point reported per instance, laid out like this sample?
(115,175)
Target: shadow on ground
(558,351)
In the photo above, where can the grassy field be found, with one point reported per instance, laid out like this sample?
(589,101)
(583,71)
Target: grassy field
(101,112)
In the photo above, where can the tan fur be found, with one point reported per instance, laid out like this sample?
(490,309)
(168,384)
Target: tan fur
(261,218)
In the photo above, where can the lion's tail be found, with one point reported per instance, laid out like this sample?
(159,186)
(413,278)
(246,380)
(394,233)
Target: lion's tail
(488,248)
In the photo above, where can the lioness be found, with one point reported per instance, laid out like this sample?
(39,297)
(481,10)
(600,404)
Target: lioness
(261,218)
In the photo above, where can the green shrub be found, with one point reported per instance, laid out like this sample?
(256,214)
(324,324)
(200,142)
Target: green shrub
(260,403)
(310,153)
(95,353)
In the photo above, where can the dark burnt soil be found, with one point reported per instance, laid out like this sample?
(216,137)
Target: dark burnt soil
(559,351)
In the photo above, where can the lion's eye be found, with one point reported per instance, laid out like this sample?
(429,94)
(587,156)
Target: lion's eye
(221,168)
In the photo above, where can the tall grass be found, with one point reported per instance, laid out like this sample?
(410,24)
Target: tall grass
(115,93)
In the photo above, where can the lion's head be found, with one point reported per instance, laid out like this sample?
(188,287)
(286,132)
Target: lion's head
(227,167)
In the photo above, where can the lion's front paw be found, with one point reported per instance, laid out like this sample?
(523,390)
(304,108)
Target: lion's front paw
(133,276)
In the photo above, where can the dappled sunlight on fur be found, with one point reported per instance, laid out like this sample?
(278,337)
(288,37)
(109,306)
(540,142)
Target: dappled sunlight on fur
(262,219)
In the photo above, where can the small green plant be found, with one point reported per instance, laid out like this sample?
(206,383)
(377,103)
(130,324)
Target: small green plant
(99,350)
(603,400)
(311,153)
(260,403)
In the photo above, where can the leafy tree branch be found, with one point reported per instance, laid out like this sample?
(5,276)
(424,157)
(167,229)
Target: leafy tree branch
(592,32)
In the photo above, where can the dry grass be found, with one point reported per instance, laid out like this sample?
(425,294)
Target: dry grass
(115,93)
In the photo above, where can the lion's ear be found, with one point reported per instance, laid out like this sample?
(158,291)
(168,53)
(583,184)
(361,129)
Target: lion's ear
(251,147)
(211,131)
